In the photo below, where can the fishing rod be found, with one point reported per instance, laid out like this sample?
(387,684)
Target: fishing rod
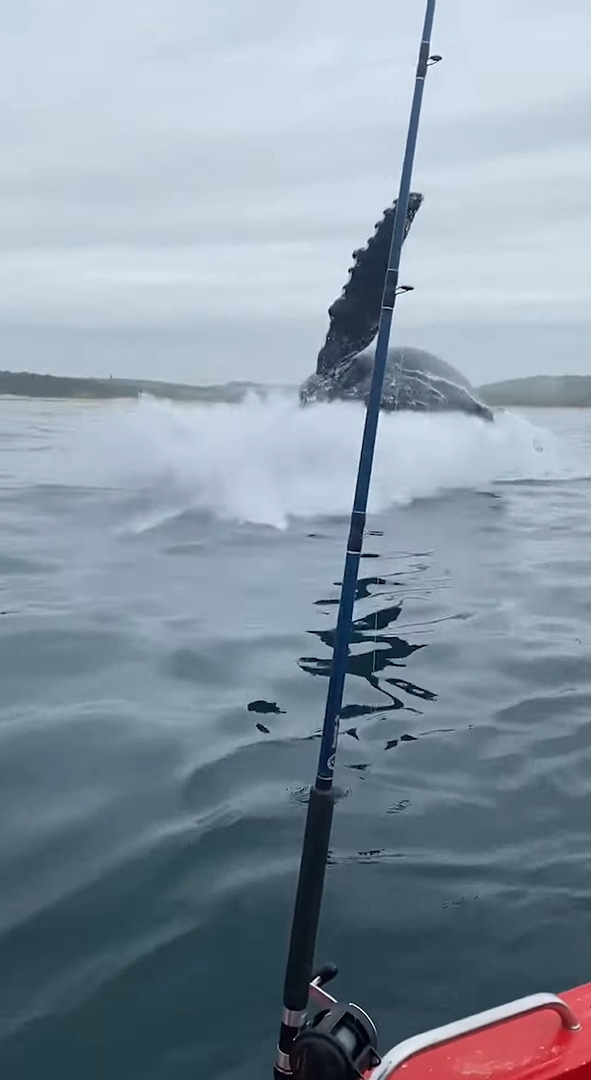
(341,1041)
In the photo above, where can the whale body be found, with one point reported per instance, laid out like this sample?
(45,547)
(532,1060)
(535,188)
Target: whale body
(414,379)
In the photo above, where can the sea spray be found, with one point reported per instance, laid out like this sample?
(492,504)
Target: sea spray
(266,461)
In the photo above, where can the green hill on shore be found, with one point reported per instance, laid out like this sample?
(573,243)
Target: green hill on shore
(535,391)
(540,391)
(29,384)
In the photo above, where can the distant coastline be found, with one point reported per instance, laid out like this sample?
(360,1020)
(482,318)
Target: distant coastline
(540,392)
(32,385)
(535,391)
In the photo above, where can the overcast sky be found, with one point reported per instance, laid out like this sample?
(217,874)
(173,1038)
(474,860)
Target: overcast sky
(182,182)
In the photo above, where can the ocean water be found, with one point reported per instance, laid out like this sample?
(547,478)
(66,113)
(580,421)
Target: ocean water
(164,567)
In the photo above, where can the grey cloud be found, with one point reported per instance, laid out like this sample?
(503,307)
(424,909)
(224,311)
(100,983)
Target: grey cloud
(172,165)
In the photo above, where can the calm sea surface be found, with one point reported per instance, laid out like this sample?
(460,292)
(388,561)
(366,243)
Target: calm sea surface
(164,567)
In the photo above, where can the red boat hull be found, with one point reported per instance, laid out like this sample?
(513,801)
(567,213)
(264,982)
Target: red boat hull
(537,1045)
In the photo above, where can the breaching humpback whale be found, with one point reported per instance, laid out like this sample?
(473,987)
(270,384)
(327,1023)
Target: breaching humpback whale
(414,379)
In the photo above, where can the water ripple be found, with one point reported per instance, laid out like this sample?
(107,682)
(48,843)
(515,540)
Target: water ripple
(163,662)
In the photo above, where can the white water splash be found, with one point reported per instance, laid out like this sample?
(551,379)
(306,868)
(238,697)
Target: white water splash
(266,461)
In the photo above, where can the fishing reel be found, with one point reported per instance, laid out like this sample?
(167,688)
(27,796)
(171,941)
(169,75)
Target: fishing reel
(339,1043)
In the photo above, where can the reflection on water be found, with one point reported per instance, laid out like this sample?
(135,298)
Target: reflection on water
(379,657)
(375,653)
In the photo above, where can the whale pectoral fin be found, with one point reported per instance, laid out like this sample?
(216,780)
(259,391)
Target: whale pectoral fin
(354,315)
